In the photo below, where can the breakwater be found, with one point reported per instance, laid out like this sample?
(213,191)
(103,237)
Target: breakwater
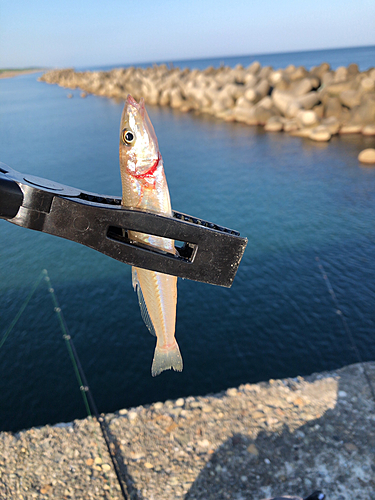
(315,103)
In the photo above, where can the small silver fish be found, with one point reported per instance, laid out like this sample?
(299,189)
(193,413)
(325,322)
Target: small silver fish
(144,187)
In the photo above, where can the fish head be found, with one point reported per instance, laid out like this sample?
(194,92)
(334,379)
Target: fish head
(138,144)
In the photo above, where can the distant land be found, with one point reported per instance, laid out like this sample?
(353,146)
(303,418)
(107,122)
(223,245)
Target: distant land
(10,72)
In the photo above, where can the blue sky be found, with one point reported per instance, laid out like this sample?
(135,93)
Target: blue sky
(87,33)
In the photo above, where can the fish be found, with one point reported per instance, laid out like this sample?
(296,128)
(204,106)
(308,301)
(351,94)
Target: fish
(144,187)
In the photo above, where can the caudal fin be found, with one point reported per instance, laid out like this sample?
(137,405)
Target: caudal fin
(166,359)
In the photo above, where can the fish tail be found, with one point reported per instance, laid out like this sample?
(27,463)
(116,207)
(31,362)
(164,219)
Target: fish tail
(166,358)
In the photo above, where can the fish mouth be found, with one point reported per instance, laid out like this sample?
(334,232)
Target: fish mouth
(132,101)
(138,106)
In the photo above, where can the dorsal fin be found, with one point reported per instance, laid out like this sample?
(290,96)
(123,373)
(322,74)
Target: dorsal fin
(142,304)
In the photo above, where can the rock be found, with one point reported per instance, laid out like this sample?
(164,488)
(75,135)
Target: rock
(164,98)
(294,107)
(364,114)
(204,443)
(274,124)
(353,69)
(319,110)
(332,124)
(232,90)
(252,449)
(350,98)
(232,391)
(176,99)
(250,80)
(326,79)
(290,69)
(320,134)
(350,447)
(290,124)
(368,130)
(367,156)
(245,114)
(281,100)
(265,102)
(320,70)
(368,84)
(275,77)
(307,118)
(309,100)
(335,89)
(301,132)
(283,84)
(149,91)
(221,104)
(264,110)
(332,107)
(245,94)
(83,94)
(341,74)
(69,96)
(257,93)
(298,73)
(254,68)
(350,128)
(302,87)
(264,72)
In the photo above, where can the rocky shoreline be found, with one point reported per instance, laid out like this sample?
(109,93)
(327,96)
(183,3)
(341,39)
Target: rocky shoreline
(315,103)
(288,436)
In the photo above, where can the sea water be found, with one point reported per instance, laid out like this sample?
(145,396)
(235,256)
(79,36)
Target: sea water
(292,198)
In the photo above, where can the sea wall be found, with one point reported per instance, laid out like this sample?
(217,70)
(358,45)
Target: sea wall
(317,103)
(290,436)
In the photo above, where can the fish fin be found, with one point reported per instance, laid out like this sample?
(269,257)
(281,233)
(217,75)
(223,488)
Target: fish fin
(142,304)
(134,278)
(166,359)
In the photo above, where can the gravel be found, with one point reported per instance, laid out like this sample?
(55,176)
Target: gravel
(289,436)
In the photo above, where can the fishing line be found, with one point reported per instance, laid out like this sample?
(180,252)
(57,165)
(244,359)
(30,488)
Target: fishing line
(346,326)
(69,344)
(23,307)
(80,374)
(83,384)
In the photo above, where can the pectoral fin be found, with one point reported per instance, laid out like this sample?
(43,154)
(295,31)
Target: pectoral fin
(142,304)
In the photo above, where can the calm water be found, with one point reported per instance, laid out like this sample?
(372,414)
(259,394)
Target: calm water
(363,56)
(293,199)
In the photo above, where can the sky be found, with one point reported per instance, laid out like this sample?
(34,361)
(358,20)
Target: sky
(55,33)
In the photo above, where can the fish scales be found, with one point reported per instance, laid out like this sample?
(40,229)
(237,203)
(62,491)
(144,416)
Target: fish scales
(144,187)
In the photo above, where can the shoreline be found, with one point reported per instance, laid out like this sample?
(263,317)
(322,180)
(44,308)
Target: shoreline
(316,103)
(10,73)
(290,436)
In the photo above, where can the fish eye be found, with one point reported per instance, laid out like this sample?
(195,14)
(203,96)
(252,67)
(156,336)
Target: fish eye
(128,137)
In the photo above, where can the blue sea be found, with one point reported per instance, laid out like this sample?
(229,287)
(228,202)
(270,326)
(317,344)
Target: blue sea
(293,199)
(363,56)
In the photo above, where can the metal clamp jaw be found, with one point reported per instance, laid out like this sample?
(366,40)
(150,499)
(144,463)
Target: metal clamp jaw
(209,253)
